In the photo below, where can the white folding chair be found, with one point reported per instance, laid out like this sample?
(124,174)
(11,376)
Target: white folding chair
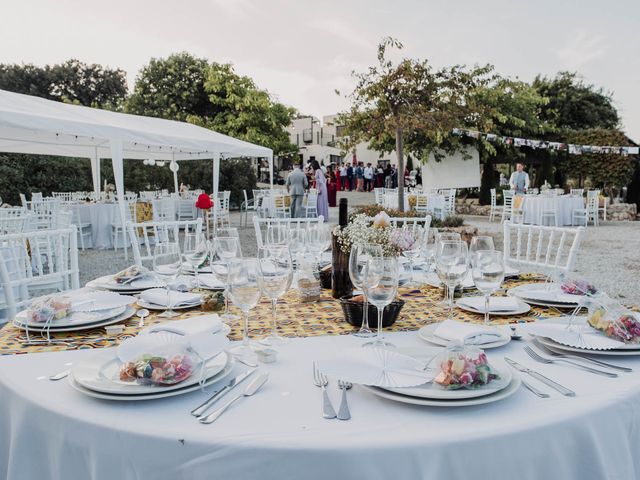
(84,228)
(540,249)
(13,220)
(510,211)
(261,225)
(187,209)
(222,208)
(495,208)
(590,212)
(378,194)
(577,192)
(248,205)
(164,209)
(422,204)
(144,236)
(311,205)
(35,263)
(117,229)
(281,210)
(549,211)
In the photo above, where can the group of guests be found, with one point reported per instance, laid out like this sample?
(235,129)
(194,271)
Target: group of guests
(313,176)
(365,178)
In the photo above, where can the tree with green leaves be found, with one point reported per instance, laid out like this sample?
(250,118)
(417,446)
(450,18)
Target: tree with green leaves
(410,105)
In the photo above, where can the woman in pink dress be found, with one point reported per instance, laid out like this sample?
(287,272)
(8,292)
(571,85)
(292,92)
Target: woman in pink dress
(321,187)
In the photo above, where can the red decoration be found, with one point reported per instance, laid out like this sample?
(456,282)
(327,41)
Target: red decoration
(204,202)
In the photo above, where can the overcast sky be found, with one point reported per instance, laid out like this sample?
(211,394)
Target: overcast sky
(301,51)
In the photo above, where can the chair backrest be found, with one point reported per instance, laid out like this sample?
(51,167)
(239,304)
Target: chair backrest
(411,222)
(422,203)
(13,220)
(494,197)
(36,197)
(46,259)
(378,194)
(23,200)
(312,200)
(144,236)
(63,196)
(577,192)
(507,198)
(262,224)
(593,200)
(164,209)
(541,249)
(593,193)
(64,219)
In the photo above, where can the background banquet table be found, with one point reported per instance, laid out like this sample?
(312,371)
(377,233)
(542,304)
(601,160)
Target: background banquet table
(436,201)
(564,205)
(102,216)
(55,432)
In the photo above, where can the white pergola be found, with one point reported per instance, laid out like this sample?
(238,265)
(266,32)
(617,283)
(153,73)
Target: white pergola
(38,126)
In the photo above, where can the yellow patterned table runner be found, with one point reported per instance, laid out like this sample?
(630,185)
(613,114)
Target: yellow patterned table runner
(295,319)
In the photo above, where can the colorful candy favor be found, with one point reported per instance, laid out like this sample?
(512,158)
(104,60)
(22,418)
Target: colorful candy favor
(464,367)
(615,321)
(578,287)
(157,369)
(130,274)
(49,308)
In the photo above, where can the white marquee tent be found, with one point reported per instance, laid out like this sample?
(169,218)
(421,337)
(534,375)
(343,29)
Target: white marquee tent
(35,125)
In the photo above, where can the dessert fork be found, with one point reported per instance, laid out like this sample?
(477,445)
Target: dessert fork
(321,380)
(539,358)
(343,411)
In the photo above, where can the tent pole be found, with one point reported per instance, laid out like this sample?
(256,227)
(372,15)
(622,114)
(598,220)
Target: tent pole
(271,170)
(95,173)
(175,174)
(216,184)
(118,174)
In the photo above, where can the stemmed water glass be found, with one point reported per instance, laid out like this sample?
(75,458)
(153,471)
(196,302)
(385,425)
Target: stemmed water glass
(452,266)
(359,259)
(196,249)
(446,237)
(429,246)
(318,240)
(416,237)
(487,269)
(245,292)
(480,242)
(275,273)
(381,284)
(224,250)
(166,265)
(296,239)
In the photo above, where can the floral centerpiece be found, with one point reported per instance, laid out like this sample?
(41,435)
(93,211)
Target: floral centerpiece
(361,230)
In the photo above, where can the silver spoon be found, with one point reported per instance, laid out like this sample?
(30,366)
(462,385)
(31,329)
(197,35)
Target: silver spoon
(514,333)
(143,312)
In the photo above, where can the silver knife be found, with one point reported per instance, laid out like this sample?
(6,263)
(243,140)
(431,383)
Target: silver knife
(556,386)
(200,409)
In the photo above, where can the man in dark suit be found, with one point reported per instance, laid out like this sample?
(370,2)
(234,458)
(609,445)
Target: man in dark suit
(296,186)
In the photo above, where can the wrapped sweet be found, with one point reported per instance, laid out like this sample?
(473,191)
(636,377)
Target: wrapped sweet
(464,367)
(614,320)
(212,301)
(577,287)
(49,308)
(157,369)
(130,274)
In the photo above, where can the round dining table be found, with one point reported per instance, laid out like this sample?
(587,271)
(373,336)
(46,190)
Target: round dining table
(49,430)
(564,205)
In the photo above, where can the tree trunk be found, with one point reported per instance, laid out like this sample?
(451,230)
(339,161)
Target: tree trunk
(487,180)
(400,173)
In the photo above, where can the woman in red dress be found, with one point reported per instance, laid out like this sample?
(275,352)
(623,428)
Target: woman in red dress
(332,184)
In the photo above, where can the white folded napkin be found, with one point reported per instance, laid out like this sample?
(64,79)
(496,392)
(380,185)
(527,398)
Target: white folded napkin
(158,296)
(210,281)
(376,367)
(466,333)
(204,333)
(496,304)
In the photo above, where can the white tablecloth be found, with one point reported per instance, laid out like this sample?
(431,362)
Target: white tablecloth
(48,430)
(101,216)
(564,206)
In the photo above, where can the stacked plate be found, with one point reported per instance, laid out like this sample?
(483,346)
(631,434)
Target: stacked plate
(497,305)
(433,395)
(136,286)
(98,378)
(88,310)
(156,299)
(546,295)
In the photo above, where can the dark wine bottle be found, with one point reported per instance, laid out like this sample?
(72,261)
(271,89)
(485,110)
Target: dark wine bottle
(341,285)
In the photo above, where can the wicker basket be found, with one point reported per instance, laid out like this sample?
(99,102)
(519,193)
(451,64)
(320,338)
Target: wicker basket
(353,312)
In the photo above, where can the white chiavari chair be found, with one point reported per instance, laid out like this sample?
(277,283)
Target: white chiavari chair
(280,208)
(84,228)
(378,194)
(422,204)
(590,212)
(248,205)
(511,207)
(262,225)
(311,205)
(118,230)
(495,208)
(577,192)
(222,208)
(144,236)
(13,220)
(540,249)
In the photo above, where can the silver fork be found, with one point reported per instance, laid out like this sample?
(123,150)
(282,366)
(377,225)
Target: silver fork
(343,411)
(539,358)
(580,357)
(320,380)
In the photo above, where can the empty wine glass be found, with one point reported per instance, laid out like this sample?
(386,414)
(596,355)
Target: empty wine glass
(415,237)
(166,265)
(487,269)
(480,242)
(452,266)
(318,240)
(274,275)
(446,237)
(224,250)
(196,251)
(429,246)
(359,259)
(296,239)
(244,290)
(381,284)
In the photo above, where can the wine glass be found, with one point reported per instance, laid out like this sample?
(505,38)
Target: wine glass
(452,266)
(232,232)
(274,275)
(245,292)
(359,259)
(296,239)
(224,250)
(480,242)
(429,246)
(487,269)
(318,240)
(196,252)
(166,265)
(446,237)
(415,237)
(381,284)
(277,233)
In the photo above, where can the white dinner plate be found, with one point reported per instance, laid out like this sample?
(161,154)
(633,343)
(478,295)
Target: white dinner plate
(128,313)
(436,392)
(533,294)
(76,319)
(153,306)
(153,396)
(566,348)
(523,307)
(100,374)
(429,402)
(107,283)
(426,333)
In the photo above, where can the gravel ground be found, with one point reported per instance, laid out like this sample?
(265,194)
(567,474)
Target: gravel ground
(610,254)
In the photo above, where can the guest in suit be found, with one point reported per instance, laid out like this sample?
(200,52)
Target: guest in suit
(296,186)
(519,180)
(321,186)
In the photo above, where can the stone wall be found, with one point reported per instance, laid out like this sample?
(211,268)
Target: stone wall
(618,211)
